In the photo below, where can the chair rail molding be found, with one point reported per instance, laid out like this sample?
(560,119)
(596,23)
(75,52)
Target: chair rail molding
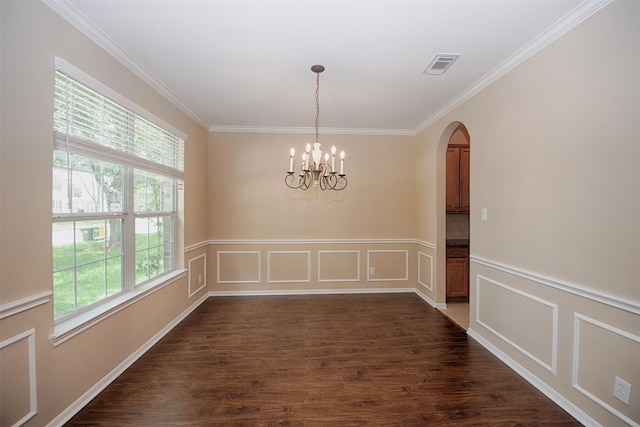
(24,304)
(601,297)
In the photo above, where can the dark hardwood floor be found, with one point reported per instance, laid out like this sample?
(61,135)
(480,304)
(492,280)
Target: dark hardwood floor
(327,360)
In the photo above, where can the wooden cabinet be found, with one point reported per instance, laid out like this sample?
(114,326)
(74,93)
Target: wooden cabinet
(464,179)
(457,273)
(458,180)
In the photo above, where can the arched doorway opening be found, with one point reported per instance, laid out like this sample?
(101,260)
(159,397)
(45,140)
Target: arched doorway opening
(454,237)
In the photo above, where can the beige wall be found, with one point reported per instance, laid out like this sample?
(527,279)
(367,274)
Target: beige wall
(269,238)
(555,156)
(249,200)
(32,35)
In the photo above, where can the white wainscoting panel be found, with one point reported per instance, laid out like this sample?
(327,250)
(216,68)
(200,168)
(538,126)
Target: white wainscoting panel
(428,260)
(193,278)
(30,337)
(241,257)
(371,278)
(579,319)
(353,277)
(547,313)
(271,255)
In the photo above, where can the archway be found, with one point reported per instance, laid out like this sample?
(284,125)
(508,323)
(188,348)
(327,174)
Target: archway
(452,222)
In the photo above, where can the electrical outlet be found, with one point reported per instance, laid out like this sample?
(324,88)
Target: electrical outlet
(484,214)
(622,390)
(372,271)
(199,279)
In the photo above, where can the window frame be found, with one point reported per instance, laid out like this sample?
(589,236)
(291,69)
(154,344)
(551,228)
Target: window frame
(73,322)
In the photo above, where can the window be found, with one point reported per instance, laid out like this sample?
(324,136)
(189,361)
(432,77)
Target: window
(116,171)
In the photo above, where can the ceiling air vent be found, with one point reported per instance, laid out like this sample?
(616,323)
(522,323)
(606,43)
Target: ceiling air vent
(440,63)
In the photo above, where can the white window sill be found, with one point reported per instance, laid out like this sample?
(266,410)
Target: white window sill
(73,326)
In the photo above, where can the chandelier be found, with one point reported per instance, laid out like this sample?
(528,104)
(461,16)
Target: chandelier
(316,170)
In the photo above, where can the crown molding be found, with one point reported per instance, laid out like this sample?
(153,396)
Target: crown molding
(310,130)
(76,18)
(576,16)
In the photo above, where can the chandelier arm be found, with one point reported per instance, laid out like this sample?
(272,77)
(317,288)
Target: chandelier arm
(289,179)
(331,181)
(305,181)
(323,183)
(341,183)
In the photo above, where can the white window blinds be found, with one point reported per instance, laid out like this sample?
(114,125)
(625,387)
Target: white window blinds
(88,123)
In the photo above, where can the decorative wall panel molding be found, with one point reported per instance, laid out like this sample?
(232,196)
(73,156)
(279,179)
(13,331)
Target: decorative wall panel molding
(238,266)
(396,260)
(532,311)
(288,266)
(328,264)
(425,268)
(198,280)
(348,269)
(606,363)
(31,403)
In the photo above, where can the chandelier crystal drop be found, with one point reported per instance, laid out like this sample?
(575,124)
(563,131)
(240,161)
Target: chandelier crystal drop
(316,170)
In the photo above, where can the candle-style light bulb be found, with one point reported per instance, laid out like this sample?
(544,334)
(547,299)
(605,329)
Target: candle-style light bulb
(308,156)
(292,152)
(304,161)
(342,163)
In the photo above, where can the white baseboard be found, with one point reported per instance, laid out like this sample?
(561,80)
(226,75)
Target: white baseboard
(547,390)
(83,400)
(429,301)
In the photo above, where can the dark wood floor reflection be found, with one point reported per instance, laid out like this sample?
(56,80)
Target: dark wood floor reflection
(330,360)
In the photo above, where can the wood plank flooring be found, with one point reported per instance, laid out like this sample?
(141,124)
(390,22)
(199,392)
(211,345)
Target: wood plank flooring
(323,360)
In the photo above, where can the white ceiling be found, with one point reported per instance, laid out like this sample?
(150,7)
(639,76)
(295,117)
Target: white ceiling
(245,65)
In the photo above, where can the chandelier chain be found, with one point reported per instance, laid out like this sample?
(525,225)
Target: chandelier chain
(317,103)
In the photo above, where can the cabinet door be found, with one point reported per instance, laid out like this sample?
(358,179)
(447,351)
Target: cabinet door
(453,180)
(457,277)
(464,180)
